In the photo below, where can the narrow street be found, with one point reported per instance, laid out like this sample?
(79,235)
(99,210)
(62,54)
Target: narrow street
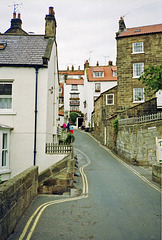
(118,202)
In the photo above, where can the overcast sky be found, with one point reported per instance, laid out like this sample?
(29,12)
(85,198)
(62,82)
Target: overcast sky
(85,28)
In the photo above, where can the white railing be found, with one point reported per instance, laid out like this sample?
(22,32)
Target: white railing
(145,118)
(58,149)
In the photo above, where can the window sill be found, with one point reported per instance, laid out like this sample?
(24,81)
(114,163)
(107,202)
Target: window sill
(136,77)
(137,52)
(7,113)
(4,171)
(138,101)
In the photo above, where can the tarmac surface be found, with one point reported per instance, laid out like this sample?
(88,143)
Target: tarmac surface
(112,200)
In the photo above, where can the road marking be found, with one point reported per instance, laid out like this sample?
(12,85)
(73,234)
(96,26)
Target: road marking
(38,212)
(128,166)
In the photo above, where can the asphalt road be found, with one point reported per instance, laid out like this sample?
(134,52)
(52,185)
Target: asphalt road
(117,202)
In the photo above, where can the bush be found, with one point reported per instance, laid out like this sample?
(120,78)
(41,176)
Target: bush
(70,138)
(115,125)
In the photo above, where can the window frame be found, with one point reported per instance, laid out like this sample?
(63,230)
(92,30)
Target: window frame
(7,110)
(114,73)
(110,94)
(134,95)
(98,74)
(133,48)
(135,69)
(97,89)
(74,87)
(7,165)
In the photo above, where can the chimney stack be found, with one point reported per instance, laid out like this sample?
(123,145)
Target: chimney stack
(50,25)
(86,64)
(16,22)
(122,26)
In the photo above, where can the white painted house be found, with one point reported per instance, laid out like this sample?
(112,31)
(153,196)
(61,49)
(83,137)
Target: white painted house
(73,91)
(28,97)
(97,79)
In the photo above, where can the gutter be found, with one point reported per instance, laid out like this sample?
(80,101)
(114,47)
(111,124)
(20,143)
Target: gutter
(36,111)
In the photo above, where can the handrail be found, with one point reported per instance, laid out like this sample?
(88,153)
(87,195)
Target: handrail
(145,118)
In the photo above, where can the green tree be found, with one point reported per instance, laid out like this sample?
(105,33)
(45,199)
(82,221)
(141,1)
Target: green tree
(73,116)
(152,78)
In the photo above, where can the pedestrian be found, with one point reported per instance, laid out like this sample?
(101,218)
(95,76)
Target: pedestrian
(68,125)
(64,126)
(71,129)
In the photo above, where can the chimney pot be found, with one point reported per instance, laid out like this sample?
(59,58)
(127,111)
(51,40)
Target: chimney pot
(19,16)
(110,63)
(14,15)
(51,11)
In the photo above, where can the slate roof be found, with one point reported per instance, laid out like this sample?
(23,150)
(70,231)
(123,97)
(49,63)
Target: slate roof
(23,50)
(141,30)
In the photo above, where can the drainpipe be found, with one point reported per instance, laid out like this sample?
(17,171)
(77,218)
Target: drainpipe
(35,125)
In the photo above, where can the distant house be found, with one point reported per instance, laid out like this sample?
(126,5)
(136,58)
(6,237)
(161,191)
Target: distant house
(73,91)
(137,48)
(97,80)
(28,97)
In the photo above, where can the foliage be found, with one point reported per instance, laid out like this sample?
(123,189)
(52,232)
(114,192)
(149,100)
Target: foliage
(73,116)
(152,78)
(115,125)
(70,138)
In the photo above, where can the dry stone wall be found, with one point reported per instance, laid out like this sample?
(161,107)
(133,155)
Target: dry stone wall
(137,143)
(15,197)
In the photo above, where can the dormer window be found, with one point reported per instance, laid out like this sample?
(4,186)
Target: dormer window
(98,74)
(3,45)
(114,73)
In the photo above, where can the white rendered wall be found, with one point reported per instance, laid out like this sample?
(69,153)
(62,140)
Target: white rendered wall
(89,94)
(22,118)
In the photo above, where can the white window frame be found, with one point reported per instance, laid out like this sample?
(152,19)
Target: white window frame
(74,87)
(74,95)
(60,89)
(135,100)
(98,74)
(138,69)
(7,110)
(110,94)
(114,73)
(97,87)
(136,46)
(6,167)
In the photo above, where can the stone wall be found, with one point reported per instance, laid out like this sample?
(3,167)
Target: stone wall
(146,108)
(125,61)
(137,143)
(15,197)
(57,179)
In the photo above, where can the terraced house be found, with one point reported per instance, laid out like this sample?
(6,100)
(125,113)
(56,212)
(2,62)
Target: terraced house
(28,96)
(136,48)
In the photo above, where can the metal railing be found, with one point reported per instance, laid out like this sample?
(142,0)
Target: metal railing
(58,149)
(145,118)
